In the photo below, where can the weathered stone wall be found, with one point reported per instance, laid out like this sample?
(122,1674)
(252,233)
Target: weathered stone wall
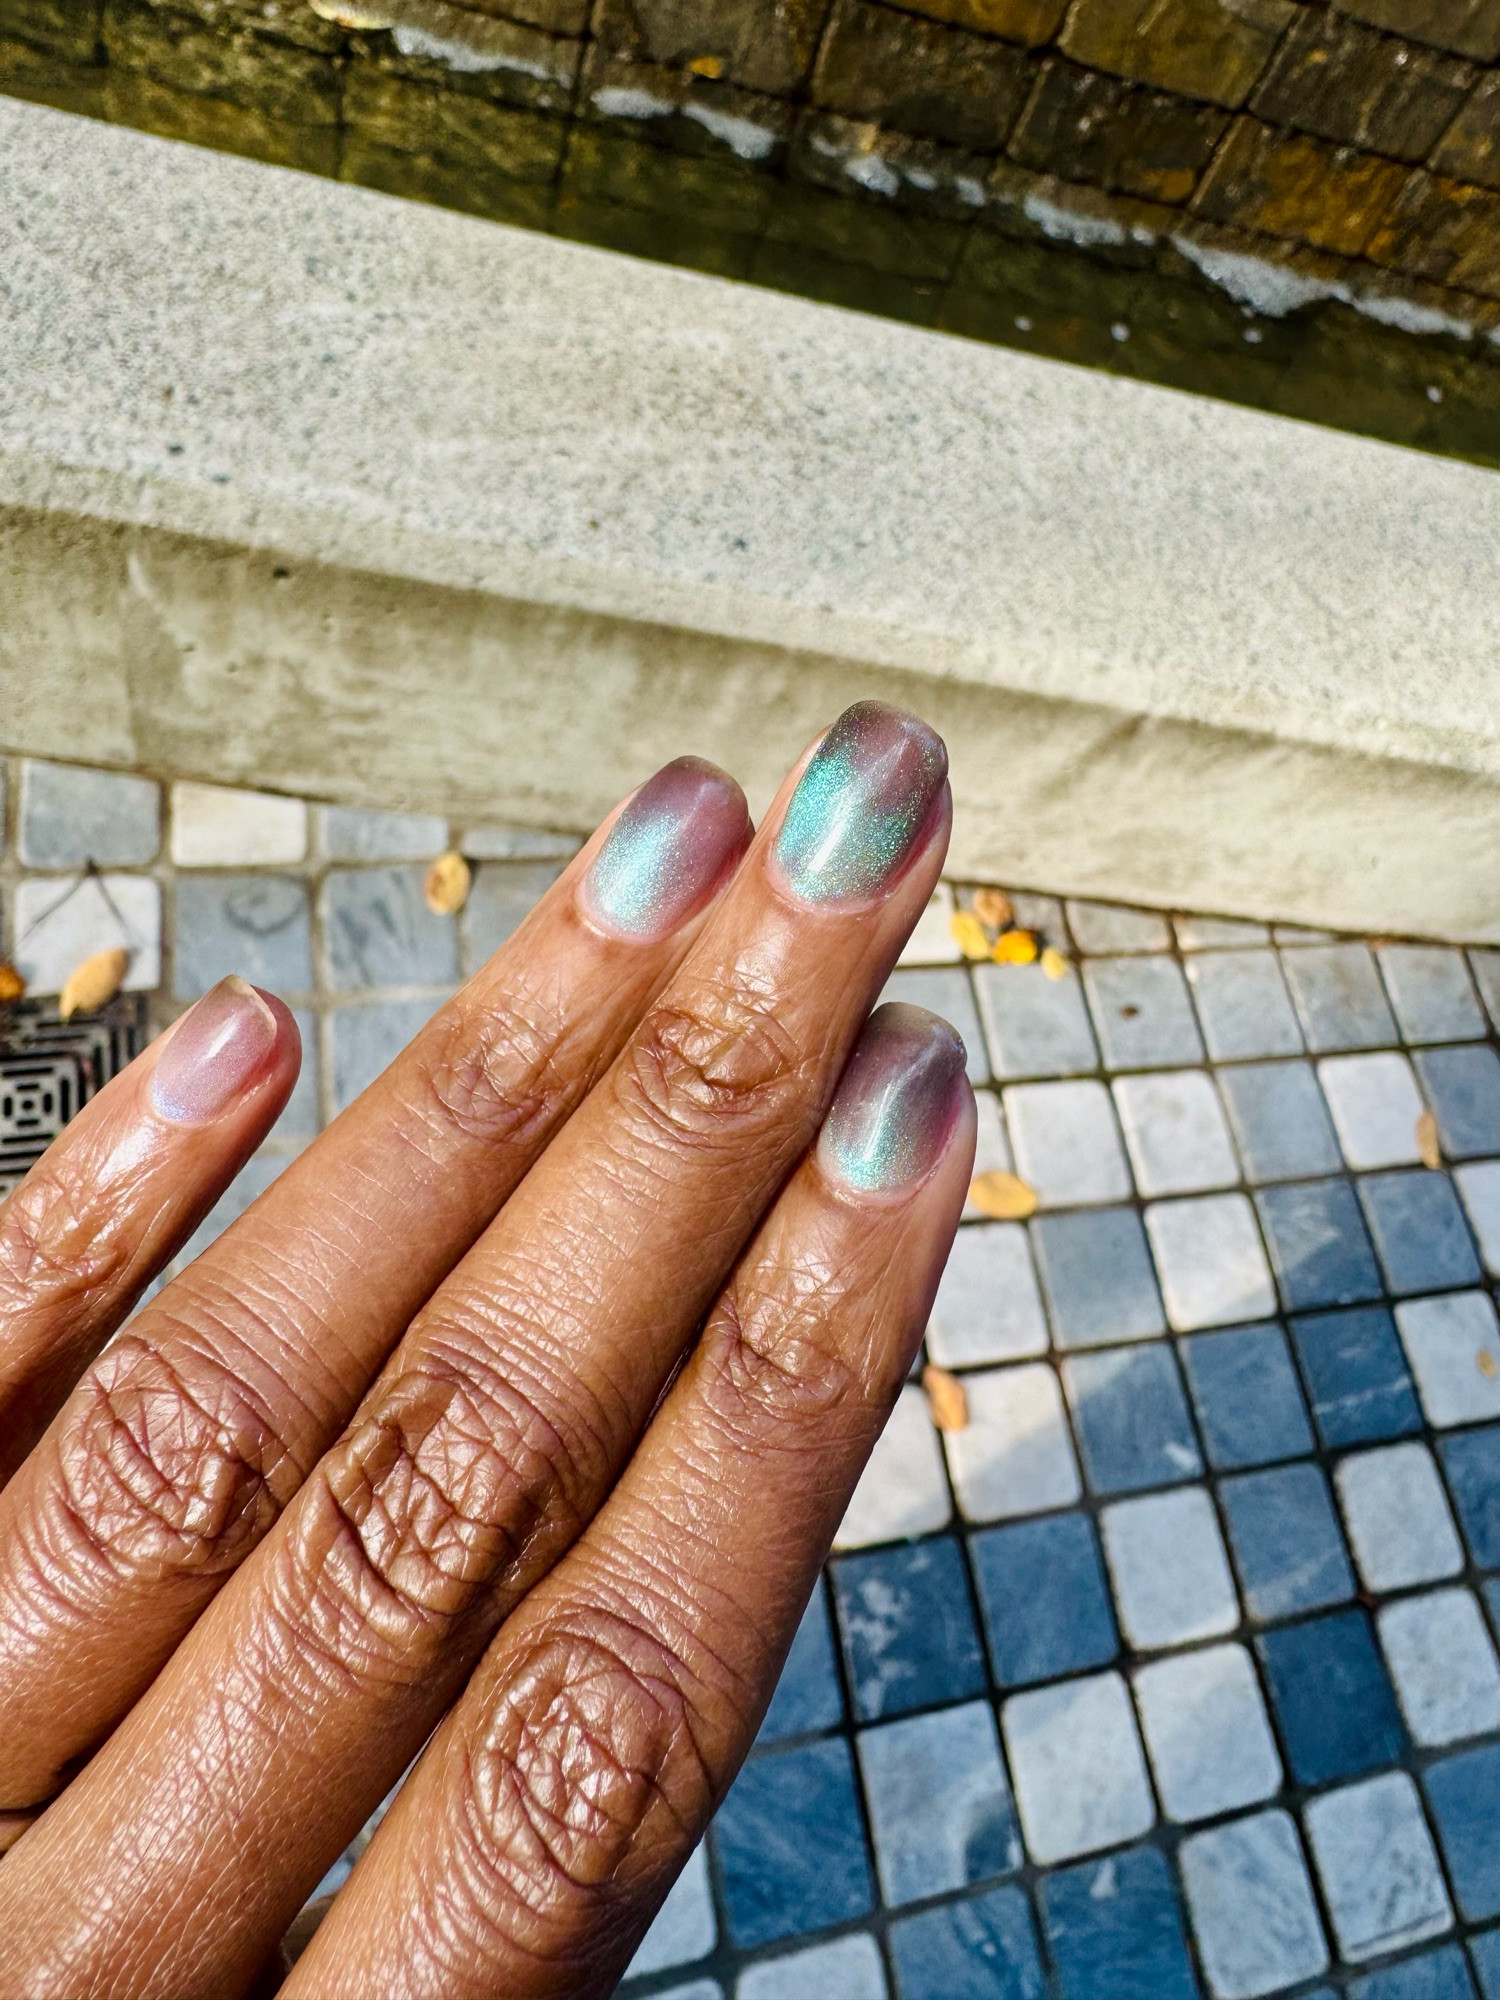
(1290,205)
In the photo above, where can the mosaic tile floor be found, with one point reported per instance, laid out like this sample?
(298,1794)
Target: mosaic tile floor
(1172,1674)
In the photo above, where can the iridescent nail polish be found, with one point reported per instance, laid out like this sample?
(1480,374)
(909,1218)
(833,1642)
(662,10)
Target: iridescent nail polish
(220,1047)
(861,804)
(668,851)
(897,1101)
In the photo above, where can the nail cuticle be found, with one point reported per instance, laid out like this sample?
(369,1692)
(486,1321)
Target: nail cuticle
(897,1103)
(667,852)
(862,806)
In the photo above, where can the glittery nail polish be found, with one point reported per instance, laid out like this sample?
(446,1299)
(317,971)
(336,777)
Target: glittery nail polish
(668,850)
(861,804)
(219,1047)
(897,1100)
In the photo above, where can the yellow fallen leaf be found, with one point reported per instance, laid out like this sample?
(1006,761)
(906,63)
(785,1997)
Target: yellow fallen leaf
(1429,1147)
(93,984)
(446,887)
(1487,1364)
(12,985)
(1015,948)
(946,1399)
(967,933)
(1005,1197)
(993,907)
(707,65)
(1053,963)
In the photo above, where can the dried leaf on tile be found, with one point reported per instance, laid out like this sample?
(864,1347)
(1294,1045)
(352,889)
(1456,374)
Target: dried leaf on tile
(446,887)
(1015,948)
(12,985)
(992,907)
(968,934)
(946,1399)
(1054,964)
(1487,1364)
(94,983)
(1002,1196)
(1429,1146)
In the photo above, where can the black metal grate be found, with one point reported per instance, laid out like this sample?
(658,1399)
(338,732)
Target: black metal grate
(49,1068)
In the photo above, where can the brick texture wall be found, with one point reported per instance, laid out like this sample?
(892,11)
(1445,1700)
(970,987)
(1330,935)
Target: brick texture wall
(1287,204)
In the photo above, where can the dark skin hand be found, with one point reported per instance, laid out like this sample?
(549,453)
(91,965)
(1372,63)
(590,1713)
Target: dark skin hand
(514,1420)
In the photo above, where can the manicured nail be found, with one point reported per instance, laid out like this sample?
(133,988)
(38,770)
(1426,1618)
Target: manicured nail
(669,850)
(861,804)
(897,1101)
(219,1046)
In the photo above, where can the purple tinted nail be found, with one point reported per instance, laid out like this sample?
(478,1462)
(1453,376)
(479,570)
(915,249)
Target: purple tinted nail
(668,851)
(897,1101)
(862,803)
(219,1046)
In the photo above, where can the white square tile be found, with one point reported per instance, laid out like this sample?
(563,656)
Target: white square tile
(1206,1730)
(1209,1259)
(1076,1760)
(1400,1527)
(1375,1104)
(1479,1185)
(53,936)
(1175,1130)
(987,1307)
(218,826)
(1066,1142)
(1253,1908)
(847,1969)
(991,1146)
(684,1928)
(1016,1456)
(1443,1664)
(939,1803)
(902,1490)
(1453,1345)
(932,943)
(1379,1872)
(1171,1575)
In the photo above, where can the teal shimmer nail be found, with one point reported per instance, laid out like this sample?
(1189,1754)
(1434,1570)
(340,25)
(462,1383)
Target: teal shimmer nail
(668,850)
(897,1101)
(861,804)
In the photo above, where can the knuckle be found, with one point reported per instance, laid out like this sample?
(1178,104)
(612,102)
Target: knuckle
(492,1073)
(711,1057)
(775,1355)
(59,1240)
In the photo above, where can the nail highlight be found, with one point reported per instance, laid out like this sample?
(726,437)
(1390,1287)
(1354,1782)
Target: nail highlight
(669,849)
(897,1101)
(220,1044)
(861,804)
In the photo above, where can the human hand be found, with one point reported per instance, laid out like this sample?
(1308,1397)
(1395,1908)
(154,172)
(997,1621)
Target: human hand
(517,1415)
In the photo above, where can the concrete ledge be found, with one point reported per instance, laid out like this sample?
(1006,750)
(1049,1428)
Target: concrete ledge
(378,502)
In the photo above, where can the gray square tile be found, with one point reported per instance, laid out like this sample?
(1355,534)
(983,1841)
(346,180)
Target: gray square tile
(347,834)
(1453,1345)
(1400,1525)
(1076,1759)
(685,1928)
(1244,1005)
(1375,1104)
(1253,1907)
(1219,933)
(1209,1261)
(902,1490)
(1066,1143)
(1142,1013)
(1170,1572)
(987,1306)
(70,816)
(1432,993)
(1175,1130)
(1485,966)
(500,900)
(1379,1871)
(1443,1665)
(1280,1121)
(1097,1277)
(946,991)
(849,1967)
(378,931)
(302,1119)
(1339,997)
(255,925)
(1036,1026)
(1100,928)
(1207,1733)
(58,925)
(940,1809)
(1016,1455)
(365,1040)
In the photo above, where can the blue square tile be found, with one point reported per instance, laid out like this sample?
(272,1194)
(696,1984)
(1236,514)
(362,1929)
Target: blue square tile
(1339,998)
(940,1808)
(1434,1975)
(1280,1121)
(1036,1026)
(503,896)
(1484,1950)
(303,1117)
(378,931)
(791,1846)
(1115,1930)
(1042,1591)
(1318,1245)
(256,925)
(1356,1375)
(1131,1418)
(367,1039)
(807,1696)
(944,990)
(1245,1390)
(908,1628)
(1463,1087)
(1471,1460)
(1464,1795)
(1243,1005)
(1142,1012)
(1421,1238)
(1287,1545)
(1097,1277)
(981,1949)
(1332,1698)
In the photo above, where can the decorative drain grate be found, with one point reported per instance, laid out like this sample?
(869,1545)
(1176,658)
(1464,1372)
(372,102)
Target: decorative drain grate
(48,1068)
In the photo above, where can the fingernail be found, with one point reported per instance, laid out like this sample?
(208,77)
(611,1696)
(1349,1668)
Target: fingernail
(861,804)
(220,1044)
(669,850)
(897,1101)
